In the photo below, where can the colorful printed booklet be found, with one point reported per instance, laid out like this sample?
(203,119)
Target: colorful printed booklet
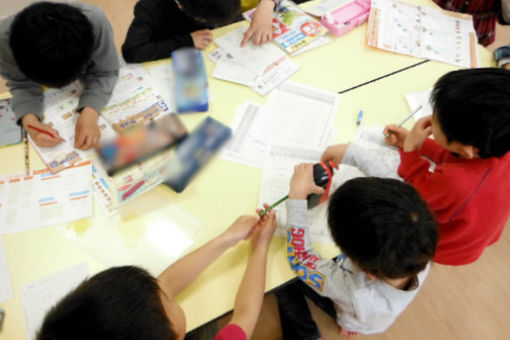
(293,29)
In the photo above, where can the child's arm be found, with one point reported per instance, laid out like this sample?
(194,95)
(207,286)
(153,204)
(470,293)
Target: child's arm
(251,291)
(183,272)
(99,80)
(261,29)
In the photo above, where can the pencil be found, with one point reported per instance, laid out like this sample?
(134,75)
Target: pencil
(263,212)
(41,131)
(405,120)
(360,117)
(27,159)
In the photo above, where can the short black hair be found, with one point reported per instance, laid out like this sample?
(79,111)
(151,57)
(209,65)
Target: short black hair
(383,226)
(212,12)
(121,303)
(52,43)
(473,107)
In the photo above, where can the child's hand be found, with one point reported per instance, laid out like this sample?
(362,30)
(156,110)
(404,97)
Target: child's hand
(241,229)
(39,138)
(261,26)
(302,183)
(87,131)
(202,38)
(334,153)
(263,232)
(418,134)
(397,135)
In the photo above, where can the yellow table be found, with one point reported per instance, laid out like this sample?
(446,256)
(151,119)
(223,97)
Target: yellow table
(225,190)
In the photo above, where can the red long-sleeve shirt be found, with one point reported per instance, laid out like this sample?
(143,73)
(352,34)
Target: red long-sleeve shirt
(471,198)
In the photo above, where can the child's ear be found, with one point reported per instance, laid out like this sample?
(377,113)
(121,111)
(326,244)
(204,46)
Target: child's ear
(370,275)
(466,151)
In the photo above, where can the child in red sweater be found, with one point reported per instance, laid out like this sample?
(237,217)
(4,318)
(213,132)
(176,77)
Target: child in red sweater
(468,189)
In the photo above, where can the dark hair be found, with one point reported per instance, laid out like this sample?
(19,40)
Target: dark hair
(52,43)
(473,108)
(212,12)
(121,303)
(383,226)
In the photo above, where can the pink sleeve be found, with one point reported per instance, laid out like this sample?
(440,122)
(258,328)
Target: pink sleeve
(231,331)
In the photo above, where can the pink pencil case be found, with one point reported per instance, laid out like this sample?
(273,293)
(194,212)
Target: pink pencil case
(343,19)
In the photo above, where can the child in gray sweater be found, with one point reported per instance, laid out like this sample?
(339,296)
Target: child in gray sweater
(53,44)
(387,237)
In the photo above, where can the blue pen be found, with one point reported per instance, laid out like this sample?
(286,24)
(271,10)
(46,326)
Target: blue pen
(360,117)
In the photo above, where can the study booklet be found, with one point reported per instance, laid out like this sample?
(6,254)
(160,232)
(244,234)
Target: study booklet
(293,29)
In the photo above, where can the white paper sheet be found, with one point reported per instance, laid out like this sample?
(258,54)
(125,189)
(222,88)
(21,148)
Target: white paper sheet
(39,296)
(275,185)
(101,191)
(43,199)
(6,292)
(295,115)
(231,71)
(415,99)
(274,75)
(255,58)
(162,77)
(423,32)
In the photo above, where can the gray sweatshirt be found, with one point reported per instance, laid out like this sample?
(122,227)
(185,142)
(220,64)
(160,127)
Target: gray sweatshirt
(362,305)
(98,79)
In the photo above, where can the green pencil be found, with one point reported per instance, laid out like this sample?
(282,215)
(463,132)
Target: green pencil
(263,212)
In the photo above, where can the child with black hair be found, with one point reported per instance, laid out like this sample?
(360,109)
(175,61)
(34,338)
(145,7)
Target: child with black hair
(162,26)
(468,188)
(53,44)
(387,237)
(128,303)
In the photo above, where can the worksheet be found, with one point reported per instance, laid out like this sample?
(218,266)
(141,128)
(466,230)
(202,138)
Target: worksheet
(375,157)
(275,184)
(101,191)
(44,198)
(134,100)
(415,99)
(39,296)
(6,292)
(255,58)
(294,115)
(422,32)
(229,69)
(162,76)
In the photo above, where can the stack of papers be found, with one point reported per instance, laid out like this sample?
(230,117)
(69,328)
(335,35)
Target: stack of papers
(259,67)
(422,32)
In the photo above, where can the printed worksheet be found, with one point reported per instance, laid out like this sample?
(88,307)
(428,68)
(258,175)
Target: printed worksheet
(422,32)
(375,157)
(162,77)
(60,113)
(6,292)
(134,100)
(295,115)
(44,198)
(228,69)
(275,185)
(255,58)
(39,296)
(415,99)
(101,191)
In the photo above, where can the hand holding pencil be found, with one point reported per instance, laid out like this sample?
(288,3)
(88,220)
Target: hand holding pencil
(42,134)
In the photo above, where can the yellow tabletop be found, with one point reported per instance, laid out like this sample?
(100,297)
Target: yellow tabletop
(224,190)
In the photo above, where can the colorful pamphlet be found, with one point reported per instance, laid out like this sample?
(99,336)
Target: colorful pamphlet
(293,29)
